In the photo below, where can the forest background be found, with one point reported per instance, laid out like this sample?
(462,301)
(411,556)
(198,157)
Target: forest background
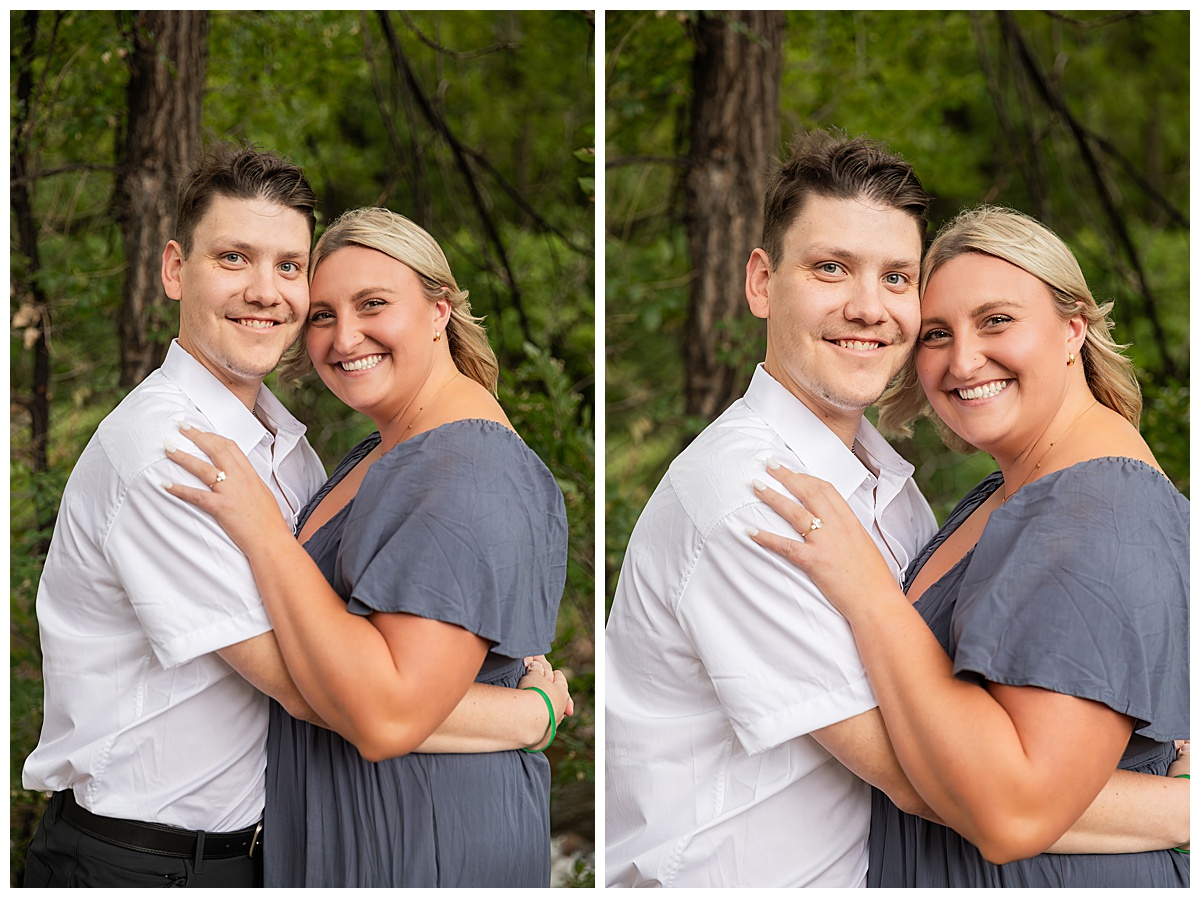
(1079,119)
(480,126)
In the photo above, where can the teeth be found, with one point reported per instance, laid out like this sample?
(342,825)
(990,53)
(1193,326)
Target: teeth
(857,344)
(256,323)
(984,391)
(362,364)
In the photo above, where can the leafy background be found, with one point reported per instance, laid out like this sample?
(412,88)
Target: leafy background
(514,90)
(948,90)
(952,93)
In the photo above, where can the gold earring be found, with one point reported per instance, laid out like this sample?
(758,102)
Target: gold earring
(437,335)
(1070,359)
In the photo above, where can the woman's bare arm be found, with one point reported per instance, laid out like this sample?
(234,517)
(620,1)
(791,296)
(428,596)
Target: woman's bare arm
(1000,765)
(408,674)
(496,718)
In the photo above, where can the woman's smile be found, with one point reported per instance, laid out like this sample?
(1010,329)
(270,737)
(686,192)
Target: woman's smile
(982,391)
(365,363)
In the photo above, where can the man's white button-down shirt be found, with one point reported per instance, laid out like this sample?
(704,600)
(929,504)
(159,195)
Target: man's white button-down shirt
(140,589)
(721,657)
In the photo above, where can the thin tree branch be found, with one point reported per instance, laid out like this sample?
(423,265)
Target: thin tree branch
(508,188)
(464,167)
(31,177)
(524,204)
(389,120)
(1058,104)
(455,54)
(645,160)
(1174,214)
(1097,23)
(991,79)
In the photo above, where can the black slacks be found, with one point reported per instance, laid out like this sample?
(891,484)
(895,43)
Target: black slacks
(62,856)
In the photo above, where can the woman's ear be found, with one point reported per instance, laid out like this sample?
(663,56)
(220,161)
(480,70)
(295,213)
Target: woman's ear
(1076,333)
(441,312)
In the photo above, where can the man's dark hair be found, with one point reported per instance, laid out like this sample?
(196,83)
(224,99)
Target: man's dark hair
(839,167)
(244,172)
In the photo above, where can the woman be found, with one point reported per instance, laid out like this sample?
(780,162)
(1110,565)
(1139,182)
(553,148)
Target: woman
(1059,584)
(445,537)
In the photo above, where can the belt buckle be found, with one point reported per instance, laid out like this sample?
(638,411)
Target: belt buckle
(254,838)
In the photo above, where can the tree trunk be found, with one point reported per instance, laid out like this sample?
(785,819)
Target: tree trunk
(33,313)
(166,94)
(734,136)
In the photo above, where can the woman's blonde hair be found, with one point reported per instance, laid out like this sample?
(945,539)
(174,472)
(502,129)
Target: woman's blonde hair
(1025,242)
(406,242)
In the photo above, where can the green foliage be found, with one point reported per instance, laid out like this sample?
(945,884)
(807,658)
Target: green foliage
(949,91)
(539,394)
(643,379)
(27,492)
(1166,423)
(499,167)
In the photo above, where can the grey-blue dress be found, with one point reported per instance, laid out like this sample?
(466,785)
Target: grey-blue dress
(1078,584)
(462,524)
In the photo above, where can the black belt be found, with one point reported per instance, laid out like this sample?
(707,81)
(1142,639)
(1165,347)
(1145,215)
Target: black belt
(157,838)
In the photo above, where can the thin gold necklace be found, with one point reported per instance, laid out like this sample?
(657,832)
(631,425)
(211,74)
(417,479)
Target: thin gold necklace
(1034,469)
(382,451)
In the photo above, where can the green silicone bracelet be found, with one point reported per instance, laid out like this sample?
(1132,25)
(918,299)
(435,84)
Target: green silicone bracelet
(1182,776)
(552,729)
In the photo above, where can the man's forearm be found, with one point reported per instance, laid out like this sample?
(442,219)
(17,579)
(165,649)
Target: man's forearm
(1134,812)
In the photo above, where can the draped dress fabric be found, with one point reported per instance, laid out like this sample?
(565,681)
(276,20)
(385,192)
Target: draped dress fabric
(1078,584)
(462,524)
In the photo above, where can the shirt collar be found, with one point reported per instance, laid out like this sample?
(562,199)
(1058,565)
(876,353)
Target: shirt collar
(820,450)
(224,411)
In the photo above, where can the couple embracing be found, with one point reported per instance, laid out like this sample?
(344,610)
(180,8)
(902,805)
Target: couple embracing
(227,704)
(808,682)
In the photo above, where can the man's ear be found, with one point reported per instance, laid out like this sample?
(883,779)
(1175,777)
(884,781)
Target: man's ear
(758,281)
(172,267)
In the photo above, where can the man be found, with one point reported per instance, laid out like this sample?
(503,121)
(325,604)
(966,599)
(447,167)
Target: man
(739,718)
(152,743)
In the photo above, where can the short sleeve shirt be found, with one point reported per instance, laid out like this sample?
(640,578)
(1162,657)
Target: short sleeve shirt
(1080,585)
(721,658)
(140,589)
(463,524)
